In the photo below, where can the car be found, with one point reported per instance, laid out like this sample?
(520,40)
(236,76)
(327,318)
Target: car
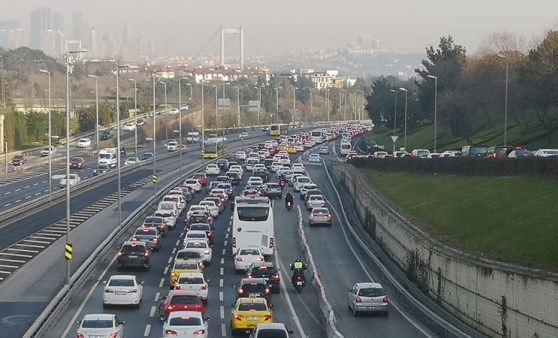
(520,153)
(47,151)
(247,313)
(315,201)
(174,110)
(245,257)
(221,192)
(201,246)
(193,184)
(240,155)
(209,230)
(264,129)
(134,254)
(291,149)
(305,188)
(18,160)
(212,169)
(146,156)
(199,217)
(243,135)
(262,173)
(77,163)
(84,142)
(314,158)
(234,177)
(183,266)
(129,127)
(300,181)
(546,152)
(222,179)
(186,193)
(169,211)
(194,281)
(255,180)
(276,330)
(269,272)
(150,236)
(311,192)
(202,178)
(367,297)
(73,180)
(273,190)
(131,160)
(194,209)
(100,325)
(223,164)
(102,168)
(105,135)
(185,324)
(172,146)
(298,168)
(180,300)
(253,287)
(189,255)
(324,150)
(212,207)
(140,122)
(319,216)
(123,290)
(157,222)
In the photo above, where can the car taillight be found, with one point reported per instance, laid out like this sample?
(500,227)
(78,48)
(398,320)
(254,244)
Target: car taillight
(234,242)
(113,335)
(299,278)
(146,254)
(239,259)
(267,291)
(241,291)
(260,259)
(385,299)
(204,287)
(199,332)
(79,335)
(177,287)
(120,253)
(358,300)
(170,332)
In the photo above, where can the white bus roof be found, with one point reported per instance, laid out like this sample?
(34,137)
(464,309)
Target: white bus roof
(252,200)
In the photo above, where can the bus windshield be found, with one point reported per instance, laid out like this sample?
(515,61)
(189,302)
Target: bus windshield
(253,214)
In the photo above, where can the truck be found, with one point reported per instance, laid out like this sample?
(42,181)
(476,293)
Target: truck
(108,156)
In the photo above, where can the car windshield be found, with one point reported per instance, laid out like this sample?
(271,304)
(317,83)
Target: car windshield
(133,249)
(252,307)
(272,333)
(249,252)
(185,299)
(188,254)
(190,280)
(153,220)
(185,321)
(371,292)
(253,288)
(97,324)
(121,282)
(262,273)
(186,265)
(196,245)
(253,214)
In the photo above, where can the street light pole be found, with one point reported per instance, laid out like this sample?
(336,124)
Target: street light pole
(394,112)
(49,135)
(344,96)
(276,104)
(405,132)
(96,115)
(506,100)
(238,106)
(135,114)
(294,106)
(202,119)
(180,118)
(118,143)
(311,103)
(327,103)
(435,109)
(154,131)
(217,109)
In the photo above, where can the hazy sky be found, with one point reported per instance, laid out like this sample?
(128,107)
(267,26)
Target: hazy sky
(276,26)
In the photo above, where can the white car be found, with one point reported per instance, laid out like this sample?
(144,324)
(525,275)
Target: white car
(131,160)
(196,208)
(194,281)
(276,166)
(178,199)
(297,168)
(174,111)
(100,325)
(185,324)
(315,201)
(84,143)
(47,151)
(299,146)
(129,127)
(212,169)
(245,257)
(255,180)
(73,181)
(172,146)
(193,184)
(240,155)
(243,135)
(201,246)
(300,182)
(123,290)
(221,194)
(212,207)
(196,235)
(546,152)
(314,158)
(237,167)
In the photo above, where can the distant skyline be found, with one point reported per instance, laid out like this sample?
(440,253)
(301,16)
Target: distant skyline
(275,27)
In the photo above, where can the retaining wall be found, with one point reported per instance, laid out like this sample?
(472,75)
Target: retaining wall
(497,299)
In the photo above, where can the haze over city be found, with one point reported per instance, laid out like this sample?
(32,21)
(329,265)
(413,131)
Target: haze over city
(274,27)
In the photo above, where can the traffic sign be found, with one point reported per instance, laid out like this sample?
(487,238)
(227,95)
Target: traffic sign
(394,138)
(149,138)
(154,179)
(69,252)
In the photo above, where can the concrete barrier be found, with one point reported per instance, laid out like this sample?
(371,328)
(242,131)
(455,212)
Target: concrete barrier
(495,298)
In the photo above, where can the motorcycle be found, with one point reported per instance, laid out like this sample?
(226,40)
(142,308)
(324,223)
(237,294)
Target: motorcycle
(282,183)
(289,205)
(299,282)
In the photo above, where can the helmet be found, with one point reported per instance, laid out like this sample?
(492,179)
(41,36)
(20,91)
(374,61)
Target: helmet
(298,260)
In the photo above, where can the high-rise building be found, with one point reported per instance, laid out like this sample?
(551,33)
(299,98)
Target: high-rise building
(93,49)
(40,21)
(58,21)
(79,29)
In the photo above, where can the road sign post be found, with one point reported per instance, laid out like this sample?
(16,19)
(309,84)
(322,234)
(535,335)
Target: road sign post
(394,139)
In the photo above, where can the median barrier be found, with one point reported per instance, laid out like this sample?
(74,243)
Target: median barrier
(494,298)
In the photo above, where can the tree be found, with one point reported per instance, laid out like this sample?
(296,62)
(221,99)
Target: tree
(380,106)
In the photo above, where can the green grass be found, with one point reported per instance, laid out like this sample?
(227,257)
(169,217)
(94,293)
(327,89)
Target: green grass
(509,218)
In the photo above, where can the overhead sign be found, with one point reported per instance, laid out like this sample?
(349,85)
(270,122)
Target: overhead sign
(224,103)
(254,106)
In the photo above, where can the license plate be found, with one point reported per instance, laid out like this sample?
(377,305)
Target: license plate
(132,256)
(252,318)
(299,283)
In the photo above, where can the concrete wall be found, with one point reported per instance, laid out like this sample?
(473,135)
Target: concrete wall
(497,299)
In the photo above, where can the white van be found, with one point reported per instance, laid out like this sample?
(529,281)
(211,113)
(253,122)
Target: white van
(345,147)
(108,156)
(253,225)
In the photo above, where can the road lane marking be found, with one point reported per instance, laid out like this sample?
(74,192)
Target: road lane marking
(226,242)
(285,292)
(173,251)
(170,260)
(227,235)
(223,330)
(38,193)
(152,311)
(221,295)
(7,193)
(222,312)
(222,271)
(162,282)
(147,330)
(221,282)
(36,184)
(27,187)
(223,252)
(18,189)
(222,260)
(7,205)
(17,201)
(165,271)
(177,242)
(157,295)
(28,197)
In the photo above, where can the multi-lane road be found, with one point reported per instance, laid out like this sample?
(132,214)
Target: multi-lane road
(338,261)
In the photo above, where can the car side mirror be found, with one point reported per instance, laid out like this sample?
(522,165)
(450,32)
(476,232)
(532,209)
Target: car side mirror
(104,282)
(207,318)
(78,322)
(208,280)
(290,331)
(142,282)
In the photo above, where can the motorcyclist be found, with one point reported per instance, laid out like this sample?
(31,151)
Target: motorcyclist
(298,268)
(289,198)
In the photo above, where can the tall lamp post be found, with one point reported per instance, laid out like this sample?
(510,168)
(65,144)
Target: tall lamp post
(276,104)
(49,134)
(135,114)
(344,96)
(202,119)
(327,103)
(238,107)
(501,56)
(394,112)
(154,129)
(311,102)
(118,142)
(260,104)
(435,109)
(405,128)
(96,115)
(180,118)
(69,71)
(294,106)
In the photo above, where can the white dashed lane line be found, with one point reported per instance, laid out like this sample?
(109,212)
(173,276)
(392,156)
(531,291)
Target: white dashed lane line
(152,311)
(157,295)
(162,282)
(147,330)
(7,193)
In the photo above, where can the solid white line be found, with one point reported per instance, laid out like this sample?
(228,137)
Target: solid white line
(222,312)
(157,295)
(173,251)
(7,193)
(147,329)
(82,305)
(7,205)
(37,194)
(27,187)
(28,197)
(162,282)
(285,292)
(152,311)
(227,235)
(17,201)
(18,189)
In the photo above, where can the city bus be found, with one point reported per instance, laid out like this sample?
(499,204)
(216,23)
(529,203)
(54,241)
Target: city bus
(278,129)
(317,136)
(214,147)
(253,224)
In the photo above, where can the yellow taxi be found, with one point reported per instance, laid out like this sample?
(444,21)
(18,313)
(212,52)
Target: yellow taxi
(283,147)
(248,313)
(291,149)
(183,266)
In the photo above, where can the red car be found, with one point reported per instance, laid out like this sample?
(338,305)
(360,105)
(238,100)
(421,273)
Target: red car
(180,300)
(202,178)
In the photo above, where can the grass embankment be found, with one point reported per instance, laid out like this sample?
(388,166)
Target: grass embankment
(508,218)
